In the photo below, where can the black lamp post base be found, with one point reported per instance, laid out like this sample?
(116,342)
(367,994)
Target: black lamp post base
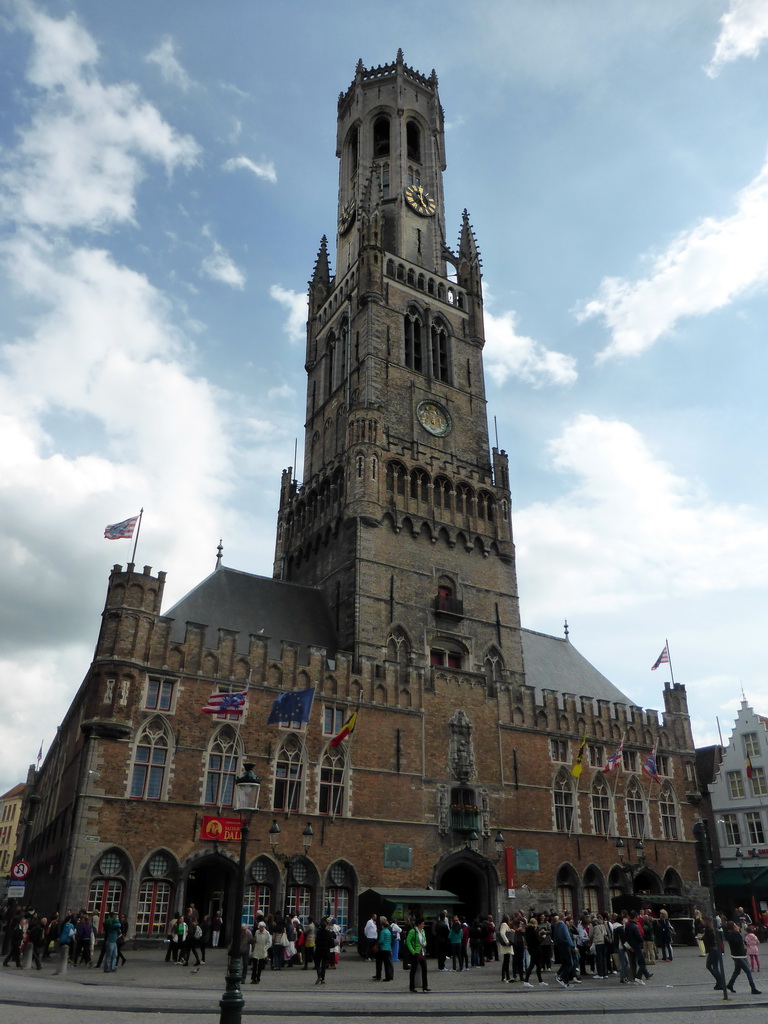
(231,1003)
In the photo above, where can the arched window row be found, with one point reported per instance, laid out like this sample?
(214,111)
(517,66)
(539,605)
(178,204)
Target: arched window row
(441,493)
(603,811)
(416,278)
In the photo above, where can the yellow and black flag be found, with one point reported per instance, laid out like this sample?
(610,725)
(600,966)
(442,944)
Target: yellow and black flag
(578,764)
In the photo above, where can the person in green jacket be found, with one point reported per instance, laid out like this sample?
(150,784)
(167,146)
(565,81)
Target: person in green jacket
(417,947)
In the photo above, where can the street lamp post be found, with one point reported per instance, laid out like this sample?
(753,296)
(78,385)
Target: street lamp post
(626,866)
(245,800)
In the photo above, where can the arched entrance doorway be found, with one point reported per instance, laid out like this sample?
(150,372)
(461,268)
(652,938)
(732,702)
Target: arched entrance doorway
(209,884)
(474,880)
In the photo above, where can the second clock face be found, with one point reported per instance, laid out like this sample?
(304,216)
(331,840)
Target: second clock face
(420,200)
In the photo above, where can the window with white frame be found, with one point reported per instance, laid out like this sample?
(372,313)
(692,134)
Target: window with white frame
(221,768)
(595,755)
(735,785)
(558,750)
(601,808)
(635,810)
(731,830)
(159,694)
(150,760)
(289,775)
(751,744)
(759,781)
(668,811)
(755,827)
(563,803)
(333,720)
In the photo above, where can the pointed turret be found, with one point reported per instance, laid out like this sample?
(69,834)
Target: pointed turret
(469,275)
(320,283)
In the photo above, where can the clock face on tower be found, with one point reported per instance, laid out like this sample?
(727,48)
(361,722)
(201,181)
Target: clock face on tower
(420,200)
(347,216)
(434,418)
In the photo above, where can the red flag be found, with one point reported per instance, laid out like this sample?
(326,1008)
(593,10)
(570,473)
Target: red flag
(346,730)
(750,773)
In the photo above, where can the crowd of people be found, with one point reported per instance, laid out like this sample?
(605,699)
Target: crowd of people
(558,947)
(619,946)
(72,938)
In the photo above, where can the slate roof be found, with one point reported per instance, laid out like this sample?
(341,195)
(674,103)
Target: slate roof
(230,599)
(241,601)
(553,663)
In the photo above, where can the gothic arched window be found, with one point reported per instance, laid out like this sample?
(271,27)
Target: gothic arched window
(440,363)
(419,485)
(221,767)
(668,811)
(332,797)
(413,342)
(635,810)
(381,136)
(563,802)
(464,499)
(443,493)
(289,775)
(150,759)
(601,808)
(413,141)
(395,478)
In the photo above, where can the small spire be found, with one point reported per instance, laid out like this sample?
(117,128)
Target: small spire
(219,553)
(399,59)
(467,241)
(565,628)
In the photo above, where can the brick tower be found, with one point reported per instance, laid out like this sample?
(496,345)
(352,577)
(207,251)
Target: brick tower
(403,516)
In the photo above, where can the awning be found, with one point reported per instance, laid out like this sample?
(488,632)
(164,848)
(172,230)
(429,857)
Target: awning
(422,897)
(741,878)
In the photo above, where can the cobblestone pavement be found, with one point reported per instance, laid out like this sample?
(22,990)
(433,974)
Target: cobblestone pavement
(147,988)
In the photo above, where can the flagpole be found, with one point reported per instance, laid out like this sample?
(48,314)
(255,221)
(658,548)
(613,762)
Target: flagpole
(347,759)
(136,540)
(669,656)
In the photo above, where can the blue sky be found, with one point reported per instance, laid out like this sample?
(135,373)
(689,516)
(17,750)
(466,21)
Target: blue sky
(166,174)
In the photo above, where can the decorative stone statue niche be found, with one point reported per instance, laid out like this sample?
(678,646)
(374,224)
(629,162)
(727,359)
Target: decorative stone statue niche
(461,756)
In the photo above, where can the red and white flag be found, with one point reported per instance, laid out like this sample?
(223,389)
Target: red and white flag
(121,531)
(226,703)
(615,759)
(663,658)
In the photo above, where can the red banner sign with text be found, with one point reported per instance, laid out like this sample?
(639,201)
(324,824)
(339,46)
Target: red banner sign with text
(222,830)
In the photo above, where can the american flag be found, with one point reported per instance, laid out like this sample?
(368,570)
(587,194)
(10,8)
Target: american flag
(615,759)
(226,703)
(121,531)
(663,658)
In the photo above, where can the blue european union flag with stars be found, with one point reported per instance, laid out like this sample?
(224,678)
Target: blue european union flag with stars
(294,706)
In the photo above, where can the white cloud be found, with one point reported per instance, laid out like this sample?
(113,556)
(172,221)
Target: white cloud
(702,269)
(296,304)
(81,157)
(220,266)
(629,530)
(743,30)
(170,67)
(509,354)
(264,170)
